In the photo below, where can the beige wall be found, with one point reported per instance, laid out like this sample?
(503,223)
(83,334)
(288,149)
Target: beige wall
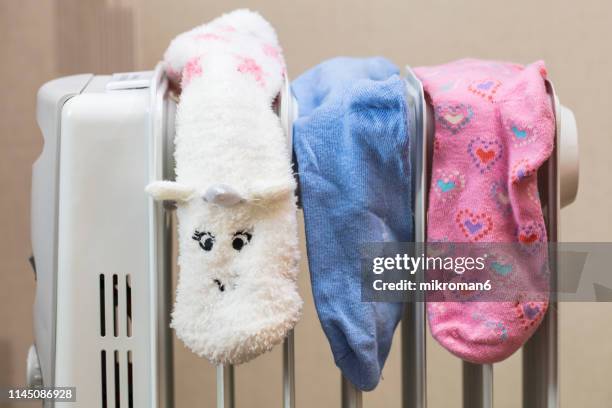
(43,39)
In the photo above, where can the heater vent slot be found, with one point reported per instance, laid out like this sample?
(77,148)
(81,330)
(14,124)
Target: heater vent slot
(102,306)
(128,305)
(117,378)
(118,290)
(117,381)
(103,378)
(130,380)
(115,305)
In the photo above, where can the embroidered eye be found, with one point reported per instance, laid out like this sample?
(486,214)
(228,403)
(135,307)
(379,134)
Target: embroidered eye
(240,239)
(205,239)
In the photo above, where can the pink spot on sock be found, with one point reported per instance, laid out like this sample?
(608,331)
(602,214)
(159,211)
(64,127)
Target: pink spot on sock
(249,66)
(227,28)
(271,51)
(193,68)
(210,37)
(274,52)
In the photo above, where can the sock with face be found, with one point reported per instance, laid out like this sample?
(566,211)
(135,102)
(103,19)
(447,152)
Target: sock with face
(351,145)
(494,127)
(236,207)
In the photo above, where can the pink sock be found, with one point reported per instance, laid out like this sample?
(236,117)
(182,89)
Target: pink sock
(494,127)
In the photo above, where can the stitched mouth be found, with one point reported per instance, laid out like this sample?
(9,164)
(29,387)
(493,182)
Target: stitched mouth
(219,284)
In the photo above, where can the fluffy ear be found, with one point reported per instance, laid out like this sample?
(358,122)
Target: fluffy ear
(169,190)
(268,193)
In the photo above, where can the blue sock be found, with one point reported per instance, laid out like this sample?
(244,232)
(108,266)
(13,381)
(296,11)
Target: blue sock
(351,145)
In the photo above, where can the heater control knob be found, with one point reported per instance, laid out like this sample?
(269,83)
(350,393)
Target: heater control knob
(568,157)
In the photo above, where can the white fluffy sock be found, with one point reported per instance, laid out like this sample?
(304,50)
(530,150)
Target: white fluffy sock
(238,249)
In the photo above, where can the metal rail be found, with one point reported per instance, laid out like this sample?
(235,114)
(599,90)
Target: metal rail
(225,386)
(477,385)
(540,367)
(289,372)
(351,396)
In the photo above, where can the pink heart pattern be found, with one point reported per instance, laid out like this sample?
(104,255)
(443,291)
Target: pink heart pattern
(486,88)
(530,313)
(474,226)
(521,134)
(521,170)
(448,184)
(531,236)
(454,117)
(484,153)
